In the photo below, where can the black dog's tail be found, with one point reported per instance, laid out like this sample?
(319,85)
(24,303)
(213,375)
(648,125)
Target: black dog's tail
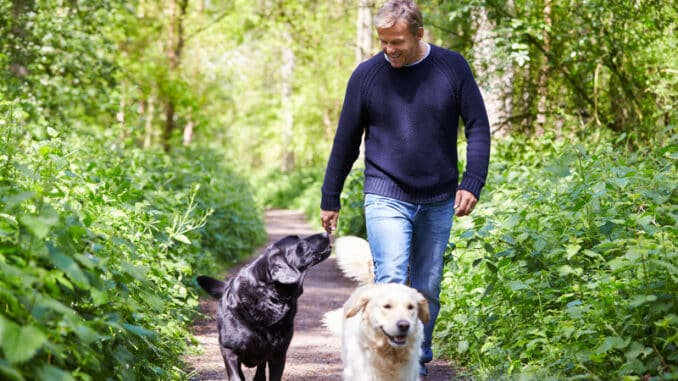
(213,286)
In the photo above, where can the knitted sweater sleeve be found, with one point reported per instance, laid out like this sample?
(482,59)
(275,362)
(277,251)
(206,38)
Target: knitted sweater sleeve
(477,130)
(346,145)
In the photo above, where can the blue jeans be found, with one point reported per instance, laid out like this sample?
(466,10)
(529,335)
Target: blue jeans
(408,242)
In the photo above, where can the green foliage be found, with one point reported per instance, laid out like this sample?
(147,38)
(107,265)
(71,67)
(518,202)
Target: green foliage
(352,217)
(99,246)
(569,269)
(600,65)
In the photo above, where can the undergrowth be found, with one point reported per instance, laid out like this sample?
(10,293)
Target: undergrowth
(99,247)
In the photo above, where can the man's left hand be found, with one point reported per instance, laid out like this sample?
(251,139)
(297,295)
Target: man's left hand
(464,202)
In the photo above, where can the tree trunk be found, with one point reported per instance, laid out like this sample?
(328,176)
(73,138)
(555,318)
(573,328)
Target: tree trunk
(148,108)
(364,25)
(175,44)
(364,38)
(542,85)
(494,76)
(287,77)
(188,133)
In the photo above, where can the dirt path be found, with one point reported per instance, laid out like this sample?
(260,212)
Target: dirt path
(314,354)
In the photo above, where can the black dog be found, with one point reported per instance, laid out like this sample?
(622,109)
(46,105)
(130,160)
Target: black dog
(255,315)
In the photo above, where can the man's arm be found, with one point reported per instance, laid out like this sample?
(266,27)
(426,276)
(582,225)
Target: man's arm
(477,129)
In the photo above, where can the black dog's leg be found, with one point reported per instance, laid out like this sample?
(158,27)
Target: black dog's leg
(233,371)
(261,372)
(276,366)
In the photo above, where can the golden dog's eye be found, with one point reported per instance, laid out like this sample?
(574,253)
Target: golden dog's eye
(410,306)
(387,306)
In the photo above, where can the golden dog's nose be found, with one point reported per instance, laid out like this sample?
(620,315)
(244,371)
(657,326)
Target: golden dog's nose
(403,325)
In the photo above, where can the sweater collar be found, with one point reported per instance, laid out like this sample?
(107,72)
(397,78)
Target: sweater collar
(428,51)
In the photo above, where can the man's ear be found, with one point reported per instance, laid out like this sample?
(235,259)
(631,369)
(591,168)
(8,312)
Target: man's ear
(420,33)
(282,272)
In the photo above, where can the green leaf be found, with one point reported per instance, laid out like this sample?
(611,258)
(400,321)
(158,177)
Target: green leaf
(52,132)
(572,250)
(137,272)
(181,238)
(638,300)
(86,334)
(9,373)
(612,342)
(16,199)
(70,268)
(139,331)
(517,285)
(39,225)
(52,373)
(23,341)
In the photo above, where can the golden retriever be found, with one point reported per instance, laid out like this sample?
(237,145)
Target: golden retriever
(381,325)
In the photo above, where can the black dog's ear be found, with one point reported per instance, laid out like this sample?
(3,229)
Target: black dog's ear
(213,286)
(282,272)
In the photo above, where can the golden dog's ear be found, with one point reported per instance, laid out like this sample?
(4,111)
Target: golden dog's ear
(422,305)
(357,301)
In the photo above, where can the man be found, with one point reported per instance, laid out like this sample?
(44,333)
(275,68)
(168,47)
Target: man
(408,100)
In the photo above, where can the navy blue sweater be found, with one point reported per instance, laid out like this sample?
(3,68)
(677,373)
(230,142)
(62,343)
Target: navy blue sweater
(410,117)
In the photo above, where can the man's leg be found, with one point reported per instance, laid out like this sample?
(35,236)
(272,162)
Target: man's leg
(389,232)
(431,234)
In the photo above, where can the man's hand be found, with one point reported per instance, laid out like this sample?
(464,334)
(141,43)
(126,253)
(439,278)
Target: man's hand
(329,218)
(464,202)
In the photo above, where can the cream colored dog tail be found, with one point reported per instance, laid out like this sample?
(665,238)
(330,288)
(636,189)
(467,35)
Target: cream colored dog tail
(334,321)
(354,259)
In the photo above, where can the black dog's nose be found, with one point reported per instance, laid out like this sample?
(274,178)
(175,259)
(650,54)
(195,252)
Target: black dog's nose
(403,325)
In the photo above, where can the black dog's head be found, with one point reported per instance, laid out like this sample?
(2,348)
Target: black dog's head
(283,264)
(292,254)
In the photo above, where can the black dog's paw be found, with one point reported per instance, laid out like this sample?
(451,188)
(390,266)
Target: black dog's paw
(213,286)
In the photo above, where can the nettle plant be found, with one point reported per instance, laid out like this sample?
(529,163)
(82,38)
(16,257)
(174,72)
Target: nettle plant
(97,252)
(569,270)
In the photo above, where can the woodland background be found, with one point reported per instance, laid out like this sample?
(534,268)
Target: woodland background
(140,141)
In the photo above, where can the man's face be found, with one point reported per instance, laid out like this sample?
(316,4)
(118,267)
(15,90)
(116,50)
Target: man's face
(401,47)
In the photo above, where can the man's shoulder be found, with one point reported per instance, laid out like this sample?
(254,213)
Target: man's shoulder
(373,63)
(448,55)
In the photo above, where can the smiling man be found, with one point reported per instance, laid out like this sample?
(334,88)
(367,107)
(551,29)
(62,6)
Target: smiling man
(408,101)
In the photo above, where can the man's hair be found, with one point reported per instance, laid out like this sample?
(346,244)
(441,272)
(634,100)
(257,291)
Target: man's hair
(396,10)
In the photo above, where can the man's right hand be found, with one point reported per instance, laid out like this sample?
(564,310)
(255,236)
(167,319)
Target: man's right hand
(329,218)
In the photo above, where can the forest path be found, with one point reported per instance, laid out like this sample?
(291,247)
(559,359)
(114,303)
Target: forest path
(314,354)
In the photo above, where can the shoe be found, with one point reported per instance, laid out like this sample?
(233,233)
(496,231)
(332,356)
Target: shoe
(423,370)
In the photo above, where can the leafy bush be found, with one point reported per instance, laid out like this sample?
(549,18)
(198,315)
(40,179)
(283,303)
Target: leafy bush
(98,251)
(568,270)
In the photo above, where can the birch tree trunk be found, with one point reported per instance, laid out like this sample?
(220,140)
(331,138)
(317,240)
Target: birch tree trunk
(364,25)
(542,85)
(148,109)
(287,77)
(494,76)
(364,38)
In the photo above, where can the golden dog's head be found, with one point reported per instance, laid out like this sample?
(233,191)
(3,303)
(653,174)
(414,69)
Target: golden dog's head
(389,310)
